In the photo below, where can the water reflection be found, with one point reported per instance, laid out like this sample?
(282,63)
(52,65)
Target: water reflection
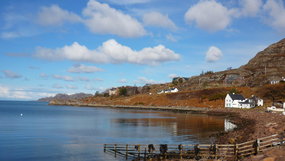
(183,126)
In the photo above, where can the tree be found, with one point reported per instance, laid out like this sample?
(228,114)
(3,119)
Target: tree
(123,91)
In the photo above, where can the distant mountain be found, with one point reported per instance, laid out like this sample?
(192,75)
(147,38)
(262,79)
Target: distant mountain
(65,97)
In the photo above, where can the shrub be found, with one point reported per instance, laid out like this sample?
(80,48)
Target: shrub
(123,91)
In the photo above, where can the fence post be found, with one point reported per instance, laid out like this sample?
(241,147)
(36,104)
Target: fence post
(139,150)
(236,150)
(256,145)
(144,154)
(180,147)
(104,147)
(216,151)
(115,149)
(127,152)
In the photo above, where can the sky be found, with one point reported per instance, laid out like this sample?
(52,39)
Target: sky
(71,46)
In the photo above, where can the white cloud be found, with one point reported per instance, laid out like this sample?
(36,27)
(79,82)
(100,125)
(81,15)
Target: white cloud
(172,76)
(159,20)
(57,86)
(213,54)
(123,80)
(144,80)
(102,19)
(110,52)
(92,88)
(11,74)
(84,79)
(44,75)
(170,37)
(250,7)
(21,94)
(276,14)
(54,15)
(13,34)
(80,68)
(209,15)
(71,87)
(98,79)
(63,77)
(127,2)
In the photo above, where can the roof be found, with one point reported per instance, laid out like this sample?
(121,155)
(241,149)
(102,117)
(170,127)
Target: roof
(236,96)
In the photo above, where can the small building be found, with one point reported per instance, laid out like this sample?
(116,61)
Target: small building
(113,91)
(238,101)
(256,100)
(170,90)
(233,100)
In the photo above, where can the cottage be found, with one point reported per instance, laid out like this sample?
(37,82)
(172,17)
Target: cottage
(233,100)
(238,101)
(170,90)
(113,91)
(256,101)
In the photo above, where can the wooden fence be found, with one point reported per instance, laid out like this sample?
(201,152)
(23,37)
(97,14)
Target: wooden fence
(190,151)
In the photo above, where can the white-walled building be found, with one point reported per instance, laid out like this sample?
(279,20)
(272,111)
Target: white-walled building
(233,100)
(238,101)
(170,90)
(113,91)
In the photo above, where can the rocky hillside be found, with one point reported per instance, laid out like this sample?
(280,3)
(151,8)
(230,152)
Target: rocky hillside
(268,65)
(65,97)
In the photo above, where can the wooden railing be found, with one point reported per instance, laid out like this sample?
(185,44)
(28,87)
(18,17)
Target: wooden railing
(197,151)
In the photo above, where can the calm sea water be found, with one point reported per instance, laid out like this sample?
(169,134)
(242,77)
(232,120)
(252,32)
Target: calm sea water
(34,131)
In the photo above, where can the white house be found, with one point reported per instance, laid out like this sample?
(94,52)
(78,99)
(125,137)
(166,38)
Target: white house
(170,90)
(113,91)
(256,100)
(233,100)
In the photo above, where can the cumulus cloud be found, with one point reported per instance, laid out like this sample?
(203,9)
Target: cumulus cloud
(128,2)
(250,7)
(71,87)
(110,52)
(276,14)
(21,94)
(44,75)
(213,54)
(80,68)
(123,80)
(170,37)
(172,76)
(84,79)
(101,18)
(144,80)
(11,74)
(159,20)
(209,15)
(54,15)
(57,86)
(63,77)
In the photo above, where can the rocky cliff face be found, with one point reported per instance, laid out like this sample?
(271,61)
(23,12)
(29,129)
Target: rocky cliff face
(268,65)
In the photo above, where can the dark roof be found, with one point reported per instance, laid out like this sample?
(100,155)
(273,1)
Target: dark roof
(236,96)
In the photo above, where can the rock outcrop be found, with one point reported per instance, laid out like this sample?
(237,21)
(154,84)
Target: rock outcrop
(268,65)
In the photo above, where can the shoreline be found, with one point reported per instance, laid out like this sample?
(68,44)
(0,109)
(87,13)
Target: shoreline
(251,123)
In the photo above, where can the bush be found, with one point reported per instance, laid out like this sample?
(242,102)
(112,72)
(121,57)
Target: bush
(123,91)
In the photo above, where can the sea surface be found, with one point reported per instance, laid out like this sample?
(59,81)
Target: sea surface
(35,131)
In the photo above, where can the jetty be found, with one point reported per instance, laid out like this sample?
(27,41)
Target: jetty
(193,151)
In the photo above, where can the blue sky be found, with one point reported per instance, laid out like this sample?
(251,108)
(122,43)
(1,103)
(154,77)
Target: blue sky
(70,46)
